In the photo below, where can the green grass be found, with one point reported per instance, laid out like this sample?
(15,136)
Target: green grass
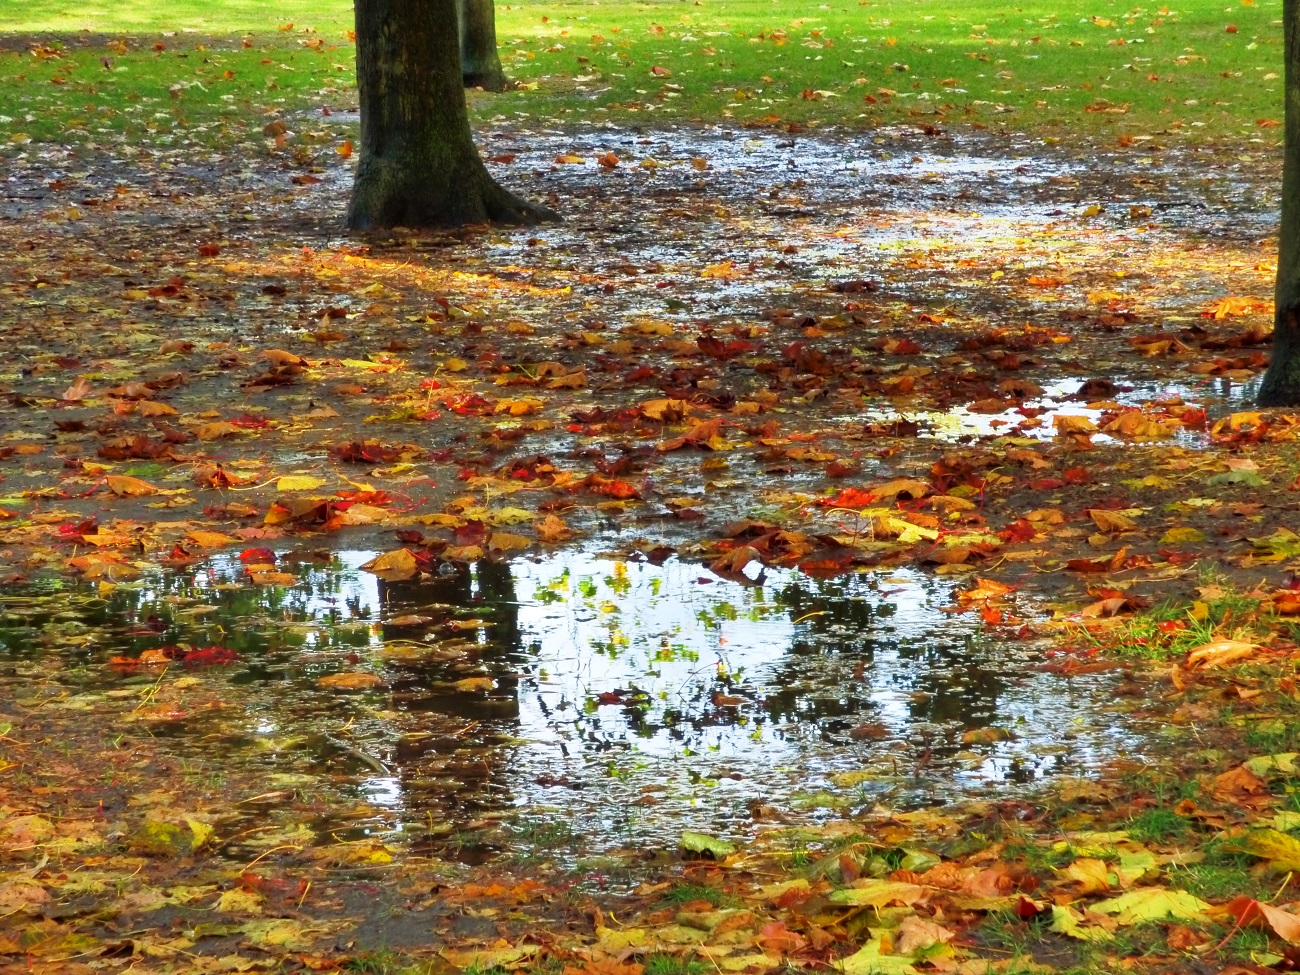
(1170,630)
(673,965)
(1116,72)
(1159,825)
(685,893)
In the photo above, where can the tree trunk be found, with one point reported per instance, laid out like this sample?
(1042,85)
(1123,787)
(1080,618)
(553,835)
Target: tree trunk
(1281,385)
(480,64)
(418,166)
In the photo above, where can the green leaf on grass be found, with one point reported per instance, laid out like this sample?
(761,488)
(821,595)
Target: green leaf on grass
(1153,904)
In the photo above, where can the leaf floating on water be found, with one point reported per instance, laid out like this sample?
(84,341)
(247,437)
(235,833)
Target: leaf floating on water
(475,684)
(351,681)
(393,566)
(704,843)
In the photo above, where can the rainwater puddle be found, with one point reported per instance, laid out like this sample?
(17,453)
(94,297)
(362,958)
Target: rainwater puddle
(1218,395)
(588,701)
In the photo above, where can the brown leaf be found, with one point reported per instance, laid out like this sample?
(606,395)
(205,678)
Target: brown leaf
(915,933)
(214,431)
(1111,521)
(126,486)
(735,561)
(552,529)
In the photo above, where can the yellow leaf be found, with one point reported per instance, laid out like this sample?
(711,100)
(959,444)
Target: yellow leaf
(518,407)
(122,485)
(1268,844)
(879,893)
(1154,904)
(483,959)
(871,959)
(475,684)
(1065,921)
(240,902)
(1070,423)
(455,365)
(1090,875)
(1111,521)
(210,539)
(298,482)
(393,565)
(506,542)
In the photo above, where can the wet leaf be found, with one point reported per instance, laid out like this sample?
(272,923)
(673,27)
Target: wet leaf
(1221,653)
(299,482)
(350,681)
(704,843)
(396,565)
(125,486)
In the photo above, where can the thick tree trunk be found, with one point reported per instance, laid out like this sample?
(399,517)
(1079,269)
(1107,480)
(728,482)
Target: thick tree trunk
(418,166)
(1281,385)
(480,64)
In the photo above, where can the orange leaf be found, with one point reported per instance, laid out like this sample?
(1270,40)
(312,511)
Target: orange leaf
(122,485)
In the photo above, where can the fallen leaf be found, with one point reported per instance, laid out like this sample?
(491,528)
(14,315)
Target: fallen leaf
(125,486)
(1220,653)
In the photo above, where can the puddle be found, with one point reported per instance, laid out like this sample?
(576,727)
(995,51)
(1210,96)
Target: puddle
(591,702)
(1217,394)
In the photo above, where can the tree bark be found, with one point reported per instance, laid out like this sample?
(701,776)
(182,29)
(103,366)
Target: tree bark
(480,64)
(1281,385)
(418,166)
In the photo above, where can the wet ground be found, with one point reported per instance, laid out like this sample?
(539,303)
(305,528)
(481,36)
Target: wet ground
(900,308)
(592,703)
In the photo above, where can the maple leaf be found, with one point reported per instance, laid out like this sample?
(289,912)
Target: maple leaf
(734,562)
(552,529)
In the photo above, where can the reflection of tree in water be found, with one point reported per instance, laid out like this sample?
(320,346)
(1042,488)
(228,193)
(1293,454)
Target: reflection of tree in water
(839,658)
(454,754)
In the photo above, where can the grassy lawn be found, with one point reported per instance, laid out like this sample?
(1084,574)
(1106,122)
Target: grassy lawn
(209,74)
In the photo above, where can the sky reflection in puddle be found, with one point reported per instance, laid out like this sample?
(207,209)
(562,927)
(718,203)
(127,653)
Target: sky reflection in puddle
(629,699)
